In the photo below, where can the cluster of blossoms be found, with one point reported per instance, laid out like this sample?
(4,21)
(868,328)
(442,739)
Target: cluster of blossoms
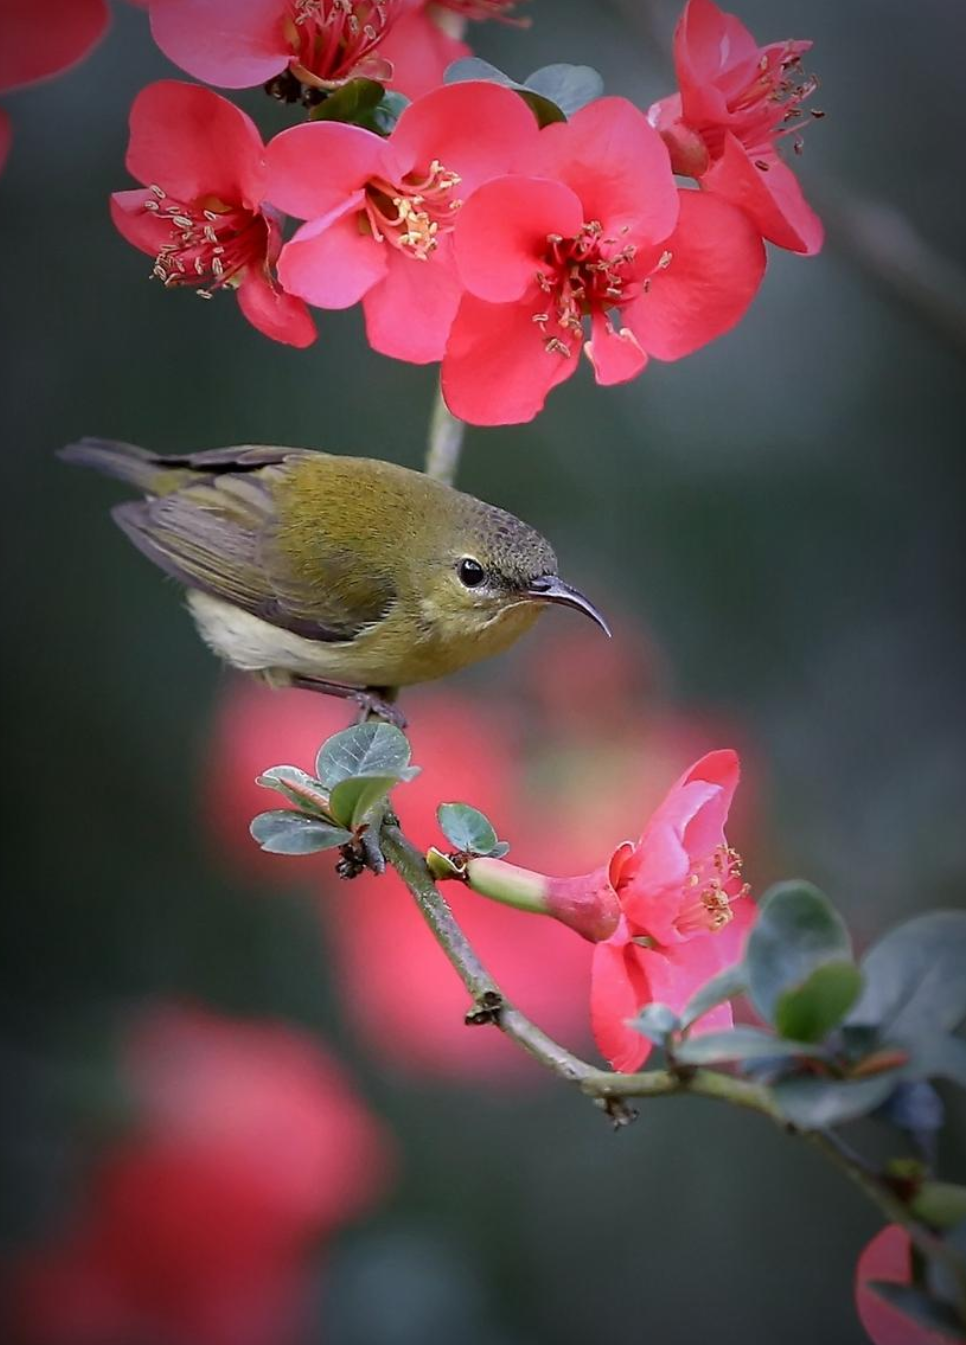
(472,234)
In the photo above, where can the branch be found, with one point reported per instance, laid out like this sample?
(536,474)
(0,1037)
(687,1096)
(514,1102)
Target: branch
(445,442)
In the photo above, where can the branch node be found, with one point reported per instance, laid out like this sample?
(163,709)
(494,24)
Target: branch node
(486,1010)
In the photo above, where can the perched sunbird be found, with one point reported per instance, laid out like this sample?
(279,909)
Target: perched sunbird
(342,575)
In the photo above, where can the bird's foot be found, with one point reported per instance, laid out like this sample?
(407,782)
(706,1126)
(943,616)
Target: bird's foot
(373,702)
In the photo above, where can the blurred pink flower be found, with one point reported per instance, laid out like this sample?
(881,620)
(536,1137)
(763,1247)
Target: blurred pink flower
(380,211)
(249,1147)
(201,213)
(589,227)
(888,1257)
(737,102)
(237,44)
(41,40)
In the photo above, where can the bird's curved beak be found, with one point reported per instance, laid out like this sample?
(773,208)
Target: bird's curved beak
(548,588)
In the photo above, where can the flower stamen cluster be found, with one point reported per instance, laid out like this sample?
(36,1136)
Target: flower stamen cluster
(211,242)
(410,215)
(332,39)
(717,878)
(585,276)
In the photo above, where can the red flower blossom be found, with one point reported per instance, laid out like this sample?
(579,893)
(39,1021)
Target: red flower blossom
(888,1257)
(249,1147)
(381,211)
(591,225)
(40,40)
(240,43)
(738,101)
(419,48)
(200,213)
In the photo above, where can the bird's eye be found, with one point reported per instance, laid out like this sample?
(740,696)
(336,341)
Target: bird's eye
(471,572)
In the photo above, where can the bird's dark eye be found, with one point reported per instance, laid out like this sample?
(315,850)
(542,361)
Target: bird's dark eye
(471,572)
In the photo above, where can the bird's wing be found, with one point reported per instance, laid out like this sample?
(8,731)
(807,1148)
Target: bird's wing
(217,534)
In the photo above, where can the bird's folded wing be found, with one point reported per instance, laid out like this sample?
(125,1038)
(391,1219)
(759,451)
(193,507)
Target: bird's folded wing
(219,535)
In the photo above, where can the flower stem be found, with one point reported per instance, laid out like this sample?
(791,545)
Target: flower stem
(509,884)
(445,443)
(612,1092)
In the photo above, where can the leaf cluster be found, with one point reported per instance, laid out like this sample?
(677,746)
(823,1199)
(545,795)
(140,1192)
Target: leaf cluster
(355,772)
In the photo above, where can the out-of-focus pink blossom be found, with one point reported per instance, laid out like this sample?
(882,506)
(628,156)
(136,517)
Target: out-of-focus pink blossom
(381,211)
(236,44)
(201,211)
(737,102)
(44,39)
(888,1257)
(249,1146)
(589,228)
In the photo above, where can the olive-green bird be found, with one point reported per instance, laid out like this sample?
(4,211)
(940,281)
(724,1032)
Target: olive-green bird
(343,575)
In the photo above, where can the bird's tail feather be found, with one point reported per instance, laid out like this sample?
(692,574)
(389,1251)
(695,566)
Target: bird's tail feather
(127,462)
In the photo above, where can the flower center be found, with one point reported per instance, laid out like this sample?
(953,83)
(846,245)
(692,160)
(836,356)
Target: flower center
(411,214)
(585,275)
(769,107)
(331,39)
(210,242)
(712,885)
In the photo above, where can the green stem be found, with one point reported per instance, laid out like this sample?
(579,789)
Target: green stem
(445,443)
(614,1091)
(509,884)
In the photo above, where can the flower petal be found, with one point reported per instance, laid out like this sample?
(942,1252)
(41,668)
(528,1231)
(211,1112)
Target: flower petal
(330,263)
(772,198)
(235,44)
(888,1257)
(194,143)
(473,129)
(714,56)
(717,261)
(675,972)
(611,156)
(419,52)
(501,234)
(496,370)
(139,226)
(410,312)
(615,354)
(312,169)
(618,989)
(281,316)
(42,39)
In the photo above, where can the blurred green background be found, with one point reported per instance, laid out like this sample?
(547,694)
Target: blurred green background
(783,514)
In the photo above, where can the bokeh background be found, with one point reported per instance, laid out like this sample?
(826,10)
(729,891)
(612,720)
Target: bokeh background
(775,525)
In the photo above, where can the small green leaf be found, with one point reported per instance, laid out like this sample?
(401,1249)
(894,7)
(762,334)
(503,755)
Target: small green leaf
(467,829)
(352,800)
(441,866)
(810,1011)
(544,109)
(940,1204)
(726,985)
(297,786)
(796,931)
(915,978)
(919,1308)
(741,1043)
(282,832)
(499,850)
(567,87)
(365,749)
(814,1104)
(355,102)
(656,1022)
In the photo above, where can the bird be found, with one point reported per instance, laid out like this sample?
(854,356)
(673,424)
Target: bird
(343,575)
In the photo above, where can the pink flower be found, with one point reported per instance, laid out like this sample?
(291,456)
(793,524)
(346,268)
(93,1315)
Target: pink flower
(201,213)
(737,102)
(240,43)
(888,1257)
(201,1225)
(420,49)
(40,40)
(682,918)
(590,226)
(380,211)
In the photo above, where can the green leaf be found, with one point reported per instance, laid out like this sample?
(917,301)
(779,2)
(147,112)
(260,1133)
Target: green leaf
(499,850)
(741,1043)
(297,786)
(726,985)
(386,113)
(352,800)
(656,1022)
(544,109)
(441,866)
(467,829)
(365,749)
(940,1204)
(796,931)
(919,1307)
(282,832)
(568,87)
(355,102)
(915,978)
(815,1104)
(810,1011)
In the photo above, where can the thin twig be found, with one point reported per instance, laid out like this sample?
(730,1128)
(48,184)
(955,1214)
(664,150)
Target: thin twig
(445,443)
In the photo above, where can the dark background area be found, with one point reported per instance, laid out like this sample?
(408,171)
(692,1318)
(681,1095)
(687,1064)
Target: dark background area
(781,513)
